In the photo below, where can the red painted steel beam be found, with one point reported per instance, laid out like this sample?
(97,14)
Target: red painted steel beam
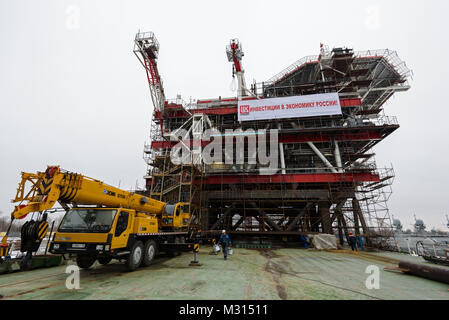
(226,100)
(227,110)
(292,178)
(300,138)
(184,114)
(314,137)
(351,102)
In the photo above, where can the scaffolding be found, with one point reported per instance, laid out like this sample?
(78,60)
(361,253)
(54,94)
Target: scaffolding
(327,180)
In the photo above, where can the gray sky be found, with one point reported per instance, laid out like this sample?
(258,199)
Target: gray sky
(72,92)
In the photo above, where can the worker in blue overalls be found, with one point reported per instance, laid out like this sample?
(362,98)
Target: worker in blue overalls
(304,241)
(225,242)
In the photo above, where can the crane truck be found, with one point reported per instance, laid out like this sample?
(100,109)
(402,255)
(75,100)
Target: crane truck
(101,222)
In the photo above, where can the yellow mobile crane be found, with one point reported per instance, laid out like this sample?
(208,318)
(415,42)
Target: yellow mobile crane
(101,222)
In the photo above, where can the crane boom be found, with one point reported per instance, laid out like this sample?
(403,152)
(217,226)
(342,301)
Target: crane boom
(54,185)
(146,49)
(235,54)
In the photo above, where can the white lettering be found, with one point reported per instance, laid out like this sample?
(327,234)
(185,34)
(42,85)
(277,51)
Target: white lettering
(373,280)
(73,280)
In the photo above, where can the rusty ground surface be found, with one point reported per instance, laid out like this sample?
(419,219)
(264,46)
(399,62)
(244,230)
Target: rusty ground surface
(293,274)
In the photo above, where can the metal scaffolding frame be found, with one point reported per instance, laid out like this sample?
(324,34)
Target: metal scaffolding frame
(328,180)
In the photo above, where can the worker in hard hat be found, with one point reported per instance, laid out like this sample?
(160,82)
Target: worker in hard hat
(352,241)
(225,242)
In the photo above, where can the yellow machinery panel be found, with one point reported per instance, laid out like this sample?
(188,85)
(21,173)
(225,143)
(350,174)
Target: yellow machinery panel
(145,224)
(81,237)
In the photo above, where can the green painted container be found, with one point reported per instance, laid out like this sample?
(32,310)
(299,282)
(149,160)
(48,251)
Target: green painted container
(9,266)
(45,261)
(37,262)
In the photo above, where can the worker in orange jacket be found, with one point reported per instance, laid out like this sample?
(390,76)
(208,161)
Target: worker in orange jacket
(352,241)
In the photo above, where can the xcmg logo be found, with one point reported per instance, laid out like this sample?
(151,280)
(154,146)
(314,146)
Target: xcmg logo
(244,109)
(109,193)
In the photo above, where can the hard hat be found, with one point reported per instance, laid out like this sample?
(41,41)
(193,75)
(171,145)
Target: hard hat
(223,231)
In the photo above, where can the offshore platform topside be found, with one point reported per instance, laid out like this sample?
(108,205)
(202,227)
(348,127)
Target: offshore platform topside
(325,113)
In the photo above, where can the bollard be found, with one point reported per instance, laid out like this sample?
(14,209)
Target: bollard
(213,252)
(195,262)
(4,250)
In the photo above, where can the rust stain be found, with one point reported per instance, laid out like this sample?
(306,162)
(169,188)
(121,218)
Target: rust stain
(276,270)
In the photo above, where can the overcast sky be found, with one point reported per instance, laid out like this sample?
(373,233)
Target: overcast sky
(72,93)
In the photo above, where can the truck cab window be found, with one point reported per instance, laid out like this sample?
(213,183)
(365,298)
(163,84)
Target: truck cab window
(87,220)
(122,223)
(169,209)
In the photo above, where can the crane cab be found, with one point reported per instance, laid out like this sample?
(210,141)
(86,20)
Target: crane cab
(174,216)
(100,230)
(93,230)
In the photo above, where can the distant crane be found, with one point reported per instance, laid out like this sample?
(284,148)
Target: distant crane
(235,54)
(397,224)
(419,225)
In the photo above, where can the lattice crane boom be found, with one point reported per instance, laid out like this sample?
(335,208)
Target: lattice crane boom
(235,54)
(146,48)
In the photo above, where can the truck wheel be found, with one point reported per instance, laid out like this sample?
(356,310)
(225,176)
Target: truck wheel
(149,252)
(85,262)
(104,260)
(175,253)
(135,256)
